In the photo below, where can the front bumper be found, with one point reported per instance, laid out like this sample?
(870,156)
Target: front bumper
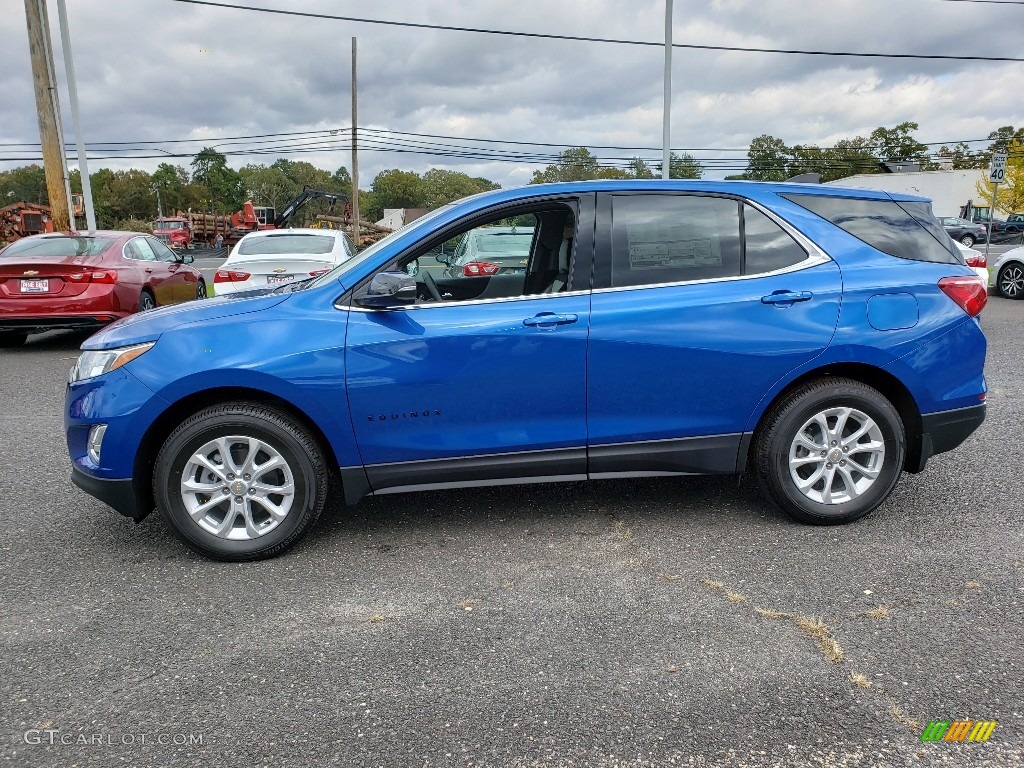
(944,431)
(57,323)
(118,494)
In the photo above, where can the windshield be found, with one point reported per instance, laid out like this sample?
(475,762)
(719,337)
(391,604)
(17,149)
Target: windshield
(270,245)
(168,225)
(56,247)
(362,256)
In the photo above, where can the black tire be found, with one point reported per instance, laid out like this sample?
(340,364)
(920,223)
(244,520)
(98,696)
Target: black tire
(967,240)
(201,290)
(11,339)
(274,429)
(1010,280)
(146,301)
(777,434)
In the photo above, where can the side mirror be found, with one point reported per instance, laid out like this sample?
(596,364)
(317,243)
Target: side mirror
(442,257)
(187,258)
(389,289)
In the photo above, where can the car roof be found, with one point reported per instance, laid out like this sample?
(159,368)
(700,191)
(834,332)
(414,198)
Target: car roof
(293,231)
(752,189)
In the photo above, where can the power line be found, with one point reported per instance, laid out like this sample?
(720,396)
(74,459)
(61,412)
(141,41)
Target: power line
(575,38)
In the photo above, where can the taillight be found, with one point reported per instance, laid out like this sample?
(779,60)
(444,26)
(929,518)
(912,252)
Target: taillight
(477,268)
(108,276)
(230,276)
(970,293)
(318,272)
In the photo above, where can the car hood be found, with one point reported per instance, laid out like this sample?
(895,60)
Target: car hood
(147,326)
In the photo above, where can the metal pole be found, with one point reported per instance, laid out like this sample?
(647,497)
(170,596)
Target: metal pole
(83,162)
(666,141)
(49,131)
(355,153)
(991,210)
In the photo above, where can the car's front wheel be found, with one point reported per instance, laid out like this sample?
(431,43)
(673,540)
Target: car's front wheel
(1010,281)
(967,240)
(830,452)
(201,290)
(240,481)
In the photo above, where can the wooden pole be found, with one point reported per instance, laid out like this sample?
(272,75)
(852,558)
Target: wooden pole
(46,107)
(355,154)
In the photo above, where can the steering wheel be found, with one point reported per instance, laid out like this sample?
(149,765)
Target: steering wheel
(428,280)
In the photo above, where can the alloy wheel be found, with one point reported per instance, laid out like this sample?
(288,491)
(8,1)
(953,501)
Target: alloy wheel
(837,455)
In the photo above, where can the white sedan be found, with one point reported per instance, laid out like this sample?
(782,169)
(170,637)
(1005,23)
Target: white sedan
(1008,274)
(276,256)
(975,260)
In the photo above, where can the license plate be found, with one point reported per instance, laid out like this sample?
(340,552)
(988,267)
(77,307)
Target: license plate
(271,279)
(35,286)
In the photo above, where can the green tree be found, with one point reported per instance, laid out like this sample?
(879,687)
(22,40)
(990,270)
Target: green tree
(961,156)
(25,184)
(849,157)
(898,144)
(767,159)
(171,181)
(576,164)
(222,184)
(684,166)
(1010,196)
(638,169)
(392,188)
(439,187)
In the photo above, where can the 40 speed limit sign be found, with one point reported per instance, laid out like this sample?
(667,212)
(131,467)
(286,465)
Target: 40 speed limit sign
(997,168)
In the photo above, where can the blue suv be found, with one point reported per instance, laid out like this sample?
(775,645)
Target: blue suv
(822,340)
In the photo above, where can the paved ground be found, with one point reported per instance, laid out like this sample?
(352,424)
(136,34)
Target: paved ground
(612,623)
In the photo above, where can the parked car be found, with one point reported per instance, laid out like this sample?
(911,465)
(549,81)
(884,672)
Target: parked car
(276,256)
(1014,224)
(974,259)
(72,280)
(1007,274)
(821,339)
(964,231)
(490,251)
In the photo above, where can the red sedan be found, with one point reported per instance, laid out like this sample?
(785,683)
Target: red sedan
(72,280)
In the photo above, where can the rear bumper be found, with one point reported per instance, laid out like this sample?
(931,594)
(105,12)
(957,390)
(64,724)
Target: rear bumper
(944,431)
(27,324)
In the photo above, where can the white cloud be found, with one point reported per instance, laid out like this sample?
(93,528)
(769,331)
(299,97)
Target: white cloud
(159,70)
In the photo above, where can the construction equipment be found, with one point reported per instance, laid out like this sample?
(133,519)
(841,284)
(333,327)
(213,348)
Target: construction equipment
(22,219)
(368,233)
(304,197)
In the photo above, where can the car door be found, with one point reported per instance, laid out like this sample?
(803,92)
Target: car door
(702,303)
(181,279)
(489,383)
(155,273)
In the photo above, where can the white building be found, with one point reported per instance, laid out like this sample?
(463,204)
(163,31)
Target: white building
(949,190)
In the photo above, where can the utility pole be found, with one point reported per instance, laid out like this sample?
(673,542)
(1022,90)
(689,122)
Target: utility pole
(57,189)
(355,154)
(666,133)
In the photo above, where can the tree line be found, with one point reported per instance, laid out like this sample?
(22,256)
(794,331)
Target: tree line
(128,199)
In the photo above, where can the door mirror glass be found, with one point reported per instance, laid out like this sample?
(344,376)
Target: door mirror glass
(389,289)
(187,258)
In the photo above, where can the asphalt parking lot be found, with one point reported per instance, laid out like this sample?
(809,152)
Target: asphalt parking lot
(627,623)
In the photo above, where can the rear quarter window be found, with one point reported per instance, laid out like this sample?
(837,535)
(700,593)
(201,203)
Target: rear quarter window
(907,230)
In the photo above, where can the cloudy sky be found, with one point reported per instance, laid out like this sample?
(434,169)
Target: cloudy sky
(166,72)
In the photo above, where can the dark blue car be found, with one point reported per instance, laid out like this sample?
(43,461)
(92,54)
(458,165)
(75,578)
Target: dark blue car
(823,340)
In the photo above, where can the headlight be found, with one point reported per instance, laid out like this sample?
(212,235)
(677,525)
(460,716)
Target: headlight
(97,362)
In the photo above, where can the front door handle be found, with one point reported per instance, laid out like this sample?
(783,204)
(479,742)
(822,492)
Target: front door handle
(786,298)
(549,320)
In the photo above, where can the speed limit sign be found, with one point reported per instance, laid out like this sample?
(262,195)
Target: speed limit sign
(997,168)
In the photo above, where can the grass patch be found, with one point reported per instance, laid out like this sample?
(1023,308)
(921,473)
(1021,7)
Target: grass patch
(878,613)
(859,680)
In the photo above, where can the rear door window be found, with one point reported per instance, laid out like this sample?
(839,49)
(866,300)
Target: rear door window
(907,230)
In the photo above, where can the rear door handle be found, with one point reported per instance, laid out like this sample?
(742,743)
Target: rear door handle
(549,320)
(785,298)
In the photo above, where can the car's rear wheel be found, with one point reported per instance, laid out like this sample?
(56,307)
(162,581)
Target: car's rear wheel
(9,339)
(830,452)
(1010,281)
(201,290)
(967,240)
(146,301)
(240,481)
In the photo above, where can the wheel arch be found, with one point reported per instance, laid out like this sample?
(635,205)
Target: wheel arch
(894,390)
(162,426)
